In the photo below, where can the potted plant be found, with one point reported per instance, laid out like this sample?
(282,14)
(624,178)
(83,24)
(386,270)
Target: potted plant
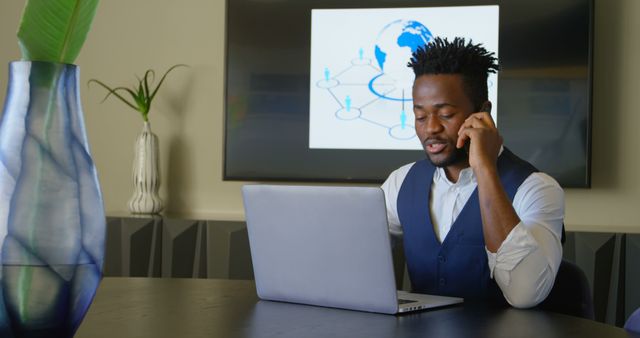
(146,168)
(52,221)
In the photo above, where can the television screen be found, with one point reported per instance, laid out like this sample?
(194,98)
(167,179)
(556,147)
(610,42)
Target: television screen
(321,91)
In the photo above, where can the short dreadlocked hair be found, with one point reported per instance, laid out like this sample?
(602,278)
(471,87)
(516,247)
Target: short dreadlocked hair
(471,61)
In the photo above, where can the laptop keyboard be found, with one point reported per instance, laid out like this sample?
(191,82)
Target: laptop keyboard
(406,301)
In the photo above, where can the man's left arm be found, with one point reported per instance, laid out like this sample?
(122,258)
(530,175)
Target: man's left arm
(498,215)
(526,263)
(523,252)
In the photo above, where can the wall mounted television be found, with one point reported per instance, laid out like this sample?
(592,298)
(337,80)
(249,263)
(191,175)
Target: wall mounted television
(317,90)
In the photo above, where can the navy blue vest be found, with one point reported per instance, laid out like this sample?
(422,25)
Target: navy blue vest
(457,266)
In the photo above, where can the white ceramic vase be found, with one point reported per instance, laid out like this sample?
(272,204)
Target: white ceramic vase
(146,174)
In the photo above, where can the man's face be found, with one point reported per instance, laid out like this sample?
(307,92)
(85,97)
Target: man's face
(440,106)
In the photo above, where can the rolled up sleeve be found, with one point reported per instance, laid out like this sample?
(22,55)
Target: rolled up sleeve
(526,264)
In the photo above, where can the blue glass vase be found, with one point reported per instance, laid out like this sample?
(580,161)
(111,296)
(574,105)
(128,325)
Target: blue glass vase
(52,222)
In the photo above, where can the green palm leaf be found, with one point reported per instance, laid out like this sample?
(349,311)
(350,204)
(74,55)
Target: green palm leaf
(55,30)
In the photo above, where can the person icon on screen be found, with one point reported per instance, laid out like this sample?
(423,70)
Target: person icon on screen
(361,54)
(347,101)
(403,119)
(326,74)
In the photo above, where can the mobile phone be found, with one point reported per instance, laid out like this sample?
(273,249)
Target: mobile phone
(486,108)
(467,146)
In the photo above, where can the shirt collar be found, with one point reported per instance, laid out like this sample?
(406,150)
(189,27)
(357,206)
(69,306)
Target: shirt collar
(467,175)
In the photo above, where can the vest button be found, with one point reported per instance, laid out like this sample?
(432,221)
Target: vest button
(442,282)
(441,259)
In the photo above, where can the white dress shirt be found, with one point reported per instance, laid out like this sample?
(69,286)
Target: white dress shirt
(525,265)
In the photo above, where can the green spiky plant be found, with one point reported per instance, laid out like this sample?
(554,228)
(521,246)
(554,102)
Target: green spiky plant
(141,94)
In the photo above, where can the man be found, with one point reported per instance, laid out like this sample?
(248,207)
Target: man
(477,221)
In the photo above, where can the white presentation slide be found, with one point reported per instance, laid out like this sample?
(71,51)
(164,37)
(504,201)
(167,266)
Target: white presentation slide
(360,96)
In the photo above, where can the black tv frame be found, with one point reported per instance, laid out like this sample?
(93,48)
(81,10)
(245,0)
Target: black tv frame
(227,175)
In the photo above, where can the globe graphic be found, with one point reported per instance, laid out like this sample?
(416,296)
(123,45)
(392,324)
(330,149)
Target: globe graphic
(394,46)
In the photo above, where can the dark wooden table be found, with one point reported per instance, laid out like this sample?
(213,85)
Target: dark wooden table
(185,308)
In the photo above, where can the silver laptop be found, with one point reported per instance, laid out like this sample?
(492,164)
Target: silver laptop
(326,246)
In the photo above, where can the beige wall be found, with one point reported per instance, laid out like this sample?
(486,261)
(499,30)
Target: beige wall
(130,36)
